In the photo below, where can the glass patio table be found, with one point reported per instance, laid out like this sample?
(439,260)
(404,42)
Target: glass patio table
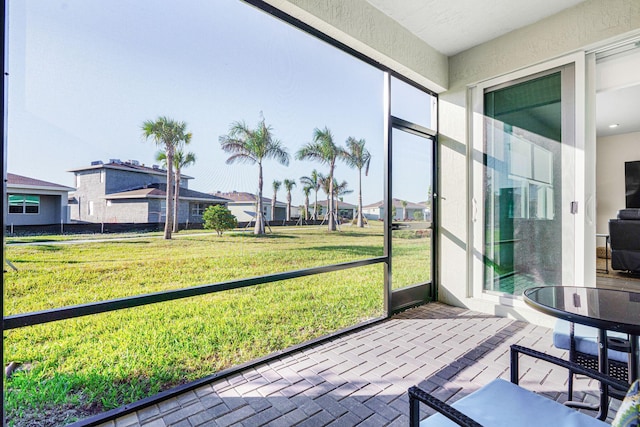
(604,309)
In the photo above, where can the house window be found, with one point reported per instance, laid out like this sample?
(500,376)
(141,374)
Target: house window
(24,204)
(197,209)
(91,211)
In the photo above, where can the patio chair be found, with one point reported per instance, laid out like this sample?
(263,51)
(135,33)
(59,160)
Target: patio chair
(502,403)
(582,343)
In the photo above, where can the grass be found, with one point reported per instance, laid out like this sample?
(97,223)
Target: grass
(77,367)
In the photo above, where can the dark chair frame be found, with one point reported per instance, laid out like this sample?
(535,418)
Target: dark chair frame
(618,370)
(417,395)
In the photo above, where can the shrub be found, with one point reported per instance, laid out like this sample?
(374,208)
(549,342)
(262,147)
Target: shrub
(412,234)
(219,218)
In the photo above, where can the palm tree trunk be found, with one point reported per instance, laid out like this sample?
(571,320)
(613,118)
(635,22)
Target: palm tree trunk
(289,206)
(176,201)
(168,223)
(332,224)
(273,207)
(306,208)
(360,222)
(315,207)
(259,228)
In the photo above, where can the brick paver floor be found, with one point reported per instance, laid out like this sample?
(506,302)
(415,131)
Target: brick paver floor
(361,379)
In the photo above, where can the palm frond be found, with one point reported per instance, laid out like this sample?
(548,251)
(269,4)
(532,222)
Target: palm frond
(289,184)
(240,158)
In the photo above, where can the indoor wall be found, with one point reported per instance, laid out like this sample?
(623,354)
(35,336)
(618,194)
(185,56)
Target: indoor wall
(611,154)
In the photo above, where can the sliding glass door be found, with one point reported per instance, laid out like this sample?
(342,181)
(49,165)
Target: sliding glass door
(528,182)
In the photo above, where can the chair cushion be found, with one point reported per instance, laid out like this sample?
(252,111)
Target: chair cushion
(629,413)
(586,340)
(501,403)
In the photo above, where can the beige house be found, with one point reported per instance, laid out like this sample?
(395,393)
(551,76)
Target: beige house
(414,211)
(243,206)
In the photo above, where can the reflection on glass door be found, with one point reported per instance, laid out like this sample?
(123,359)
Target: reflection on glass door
(523,185)
(411,209)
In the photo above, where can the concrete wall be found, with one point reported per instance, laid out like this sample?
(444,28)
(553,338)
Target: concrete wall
(119,180)
(134,211)
(90,187)
(612,152)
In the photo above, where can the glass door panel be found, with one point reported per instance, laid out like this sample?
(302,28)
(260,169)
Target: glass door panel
(411,195)
(524,190)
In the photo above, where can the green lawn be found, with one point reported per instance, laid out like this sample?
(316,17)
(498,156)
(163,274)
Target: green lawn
(99,362)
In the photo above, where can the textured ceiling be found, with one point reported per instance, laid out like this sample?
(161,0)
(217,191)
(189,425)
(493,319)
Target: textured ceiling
(452,26)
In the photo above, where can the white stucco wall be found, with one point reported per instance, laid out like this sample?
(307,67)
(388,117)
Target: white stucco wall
(583,26)
(591,24)
(246,211)
(612,152)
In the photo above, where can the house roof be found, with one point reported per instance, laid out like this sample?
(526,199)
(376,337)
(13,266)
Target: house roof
(341,205)
(25,182)
(397,203)
(129,165)
(243,197)
(157,191)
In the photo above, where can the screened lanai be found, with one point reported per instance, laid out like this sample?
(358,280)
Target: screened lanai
(465,193)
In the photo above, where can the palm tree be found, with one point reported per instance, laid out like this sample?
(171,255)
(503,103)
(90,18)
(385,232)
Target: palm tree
(340,190)
(167,134)
(313,182)
(180,161)
(325,151)
(276,186)
(404,210)
(306,190)
(325,185)
(288,185)
(357,156)
(254,146)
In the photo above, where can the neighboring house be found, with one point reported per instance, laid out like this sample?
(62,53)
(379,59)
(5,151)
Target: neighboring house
(376,210)
(427,210)
(32,201)
(130,192)
(243,206)
(345,210)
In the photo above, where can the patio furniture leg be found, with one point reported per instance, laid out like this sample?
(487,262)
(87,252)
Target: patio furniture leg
(572,357)
(414,413)
(603,365)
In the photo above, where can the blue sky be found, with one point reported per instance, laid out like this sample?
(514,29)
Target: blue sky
(85,74)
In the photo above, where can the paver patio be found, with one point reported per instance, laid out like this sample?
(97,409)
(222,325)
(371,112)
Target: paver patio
(361,379)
